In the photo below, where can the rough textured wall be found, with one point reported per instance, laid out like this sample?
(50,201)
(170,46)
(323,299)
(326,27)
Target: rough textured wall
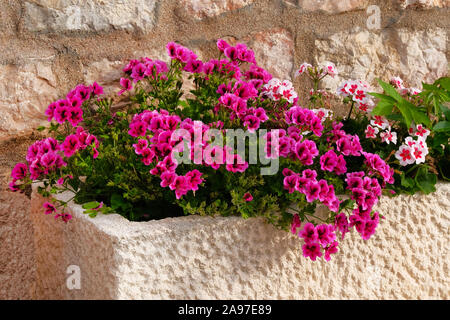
(47,47)
(232,258)
(50,46)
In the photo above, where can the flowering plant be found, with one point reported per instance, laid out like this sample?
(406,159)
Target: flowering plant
(407,127)
(163,154)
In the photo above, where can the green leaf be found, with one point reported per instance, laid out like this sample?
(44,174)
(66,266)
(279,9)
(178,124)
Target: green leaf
(442,126)
(429,87)
(425,180)
(382,96)
(347,203)
(407,182)
(445,111)
(395,117)
(390,90)
(438,139)
(41,128)
(90,205)
(444,82)
(383,108)
(406,112)
(418,116)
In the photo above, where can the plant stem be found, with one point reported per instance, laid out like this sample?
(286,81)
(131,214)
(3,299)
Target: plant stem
(351,109)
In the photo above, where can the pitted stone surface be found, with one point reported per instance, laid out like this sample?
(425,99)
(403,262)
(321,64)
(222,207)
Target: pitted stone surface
(331,6)
(25,92)
(201,9)
(424,4)
(416,57)
(274,51)
(89,15)
(231,258)
(17,264)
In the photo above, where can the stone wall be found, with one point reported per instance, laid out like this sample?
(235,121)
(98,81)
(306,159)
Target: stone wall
(50,46)
(47,47)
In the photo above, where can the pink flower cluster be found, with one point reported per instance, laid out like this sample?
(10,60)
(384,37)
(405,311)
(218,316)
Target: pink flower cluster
(141,69)
(235,100)
(331,162)
(378,166)
(345,143)
(317,238)
(44,156)
(50,209)
(239,52)
(69,109)
(192,64)
(158,147)
(79,141)
(305,119)
(321,240)
(307,184)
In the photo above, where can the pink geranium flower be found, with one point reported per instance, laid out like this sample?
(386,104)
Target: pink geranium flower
(75,116)
(49,208)
(248,197)
(311,250)
(70,145)
(296,223)
(331,249)
(328,161)
(64,216)
(341,223)
(19,172)
(61,114)
(308,233)
(290,183)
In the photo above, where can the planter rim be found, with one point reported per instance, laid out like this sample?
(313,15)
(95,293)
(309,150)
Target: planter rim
(117,225)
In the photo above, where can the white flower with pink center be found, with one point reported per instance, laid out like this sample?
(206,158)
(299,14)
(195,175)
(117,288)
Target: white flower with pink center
(276,89)
(360,96)
(421,131)
(367,106)
(371,132)
(329,68)
(414,91)
(422,143)
(287,84)
(364,84)
(380,122)
(342,89)
(303,68)
(405,155)
(323,113)
(397,82)
(388,136)
(410,142)
(419,153)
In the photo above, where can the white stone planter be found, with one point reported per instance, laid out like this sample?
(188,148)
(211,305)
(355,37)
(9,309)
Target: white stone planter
(231,258)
